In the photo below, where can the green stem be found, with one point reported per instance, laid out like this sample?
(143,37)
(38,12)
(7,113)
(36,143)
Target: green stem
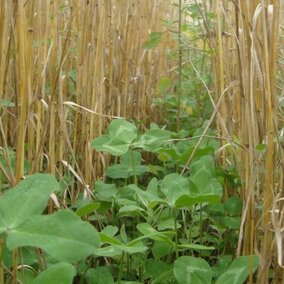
(176,233)
(2,249)
(15,265)
(41,260)
(133,166)
(201,226)
(185,231)
(120,271)
(128,265)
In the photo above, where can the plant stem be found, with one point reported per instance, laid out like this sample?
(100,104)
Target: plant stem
(133,166)
(185,233)
(200,223)
(41,260)
(2,249)
(201,226)
(15,265)
(179,63)
(176,233)
(120,269)
(128,265)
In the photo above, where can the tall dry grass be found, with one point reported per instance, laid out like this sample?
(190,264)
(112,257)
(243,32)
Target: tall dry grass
(67,68)
(247,45)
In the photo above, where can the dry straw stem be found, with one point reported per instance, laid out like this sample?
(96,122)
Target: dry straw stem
(249,55)
(21,90)
(70,67)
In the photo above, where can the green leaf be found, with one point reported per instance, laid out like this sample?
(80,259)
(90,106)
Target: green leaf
(233,222)
(189,270)
(261,148)
(223,263)
(129,282)
(104,191)
(132,248)
(163,84)
(110,230)
(62,235)
(153,139)
(196,247)
(238,271)
(131,159)
(155,268)
(173,186)
(130,209)
(202,172)
(146,228)
(234,206)
(105,237)
(73,75)
(168,224)
(87,209)
(147,199)
(166,277)
(153,41)
(161,249)
(149,232)
(100,275)
(121,134)
(130,165)
(126,196)
(26,275)
(7,103)
(152,186)
(29,197)
(123,233)
(112,145)
(108,251)
(187,201)
(123,130)
(194,10)
(203,185)
(60,273)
